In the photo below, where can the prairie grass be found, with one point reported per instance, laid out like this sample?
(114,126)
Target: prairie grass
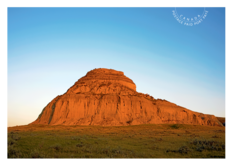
(134,141)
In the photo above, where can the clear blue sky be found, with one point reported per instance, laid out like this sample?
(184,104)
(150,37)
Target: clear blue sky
(49,49)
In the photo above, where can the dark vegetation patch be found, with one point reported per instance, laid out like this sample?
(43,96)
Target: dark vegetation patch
(181,150)
(175,126)
(211,145)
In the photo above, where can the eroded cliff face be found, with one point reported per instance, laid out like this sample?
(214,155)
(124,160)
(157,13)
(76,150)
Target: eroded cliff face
(107,97)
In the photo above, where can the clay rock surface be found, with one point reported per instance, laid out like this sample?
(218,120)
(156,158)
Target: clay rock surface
(107,97)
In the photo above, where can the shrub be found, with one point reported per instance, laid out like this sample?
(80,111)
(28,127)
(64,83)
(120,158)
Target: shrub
(215,136)
(10,141)
(16,137)
(13,152)
(36,154)
(207,145)
(56,147)
(175,126)
(182,150)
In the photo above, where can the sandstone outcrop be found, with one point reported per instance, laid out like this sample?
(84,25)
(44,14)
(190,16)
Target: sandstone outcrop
(109,98)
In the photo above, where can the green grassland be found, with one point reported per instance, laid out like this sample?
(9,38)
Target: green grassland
(139,141)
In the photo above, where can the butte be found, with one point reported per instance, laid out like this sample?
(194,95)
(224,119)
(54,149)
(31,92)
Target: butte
(107,97)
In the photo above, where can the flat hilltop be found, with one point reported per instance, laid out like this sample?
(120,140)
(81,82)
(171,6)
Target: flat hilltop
(134,141)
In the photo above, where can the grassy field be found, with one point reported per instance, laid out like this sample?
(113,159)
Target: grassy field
(140,141)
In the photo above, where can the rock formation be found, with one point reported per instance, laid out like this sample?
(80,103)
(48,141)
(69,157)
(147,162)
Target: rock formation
(109,98)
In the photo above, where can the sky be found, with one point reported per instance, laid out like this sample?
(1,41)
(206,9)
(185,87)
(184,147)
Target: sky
(49,49)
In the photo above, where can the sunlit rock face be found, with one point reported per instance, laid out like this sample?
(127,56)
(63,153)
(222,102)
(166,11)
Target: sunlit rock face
(107,97)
